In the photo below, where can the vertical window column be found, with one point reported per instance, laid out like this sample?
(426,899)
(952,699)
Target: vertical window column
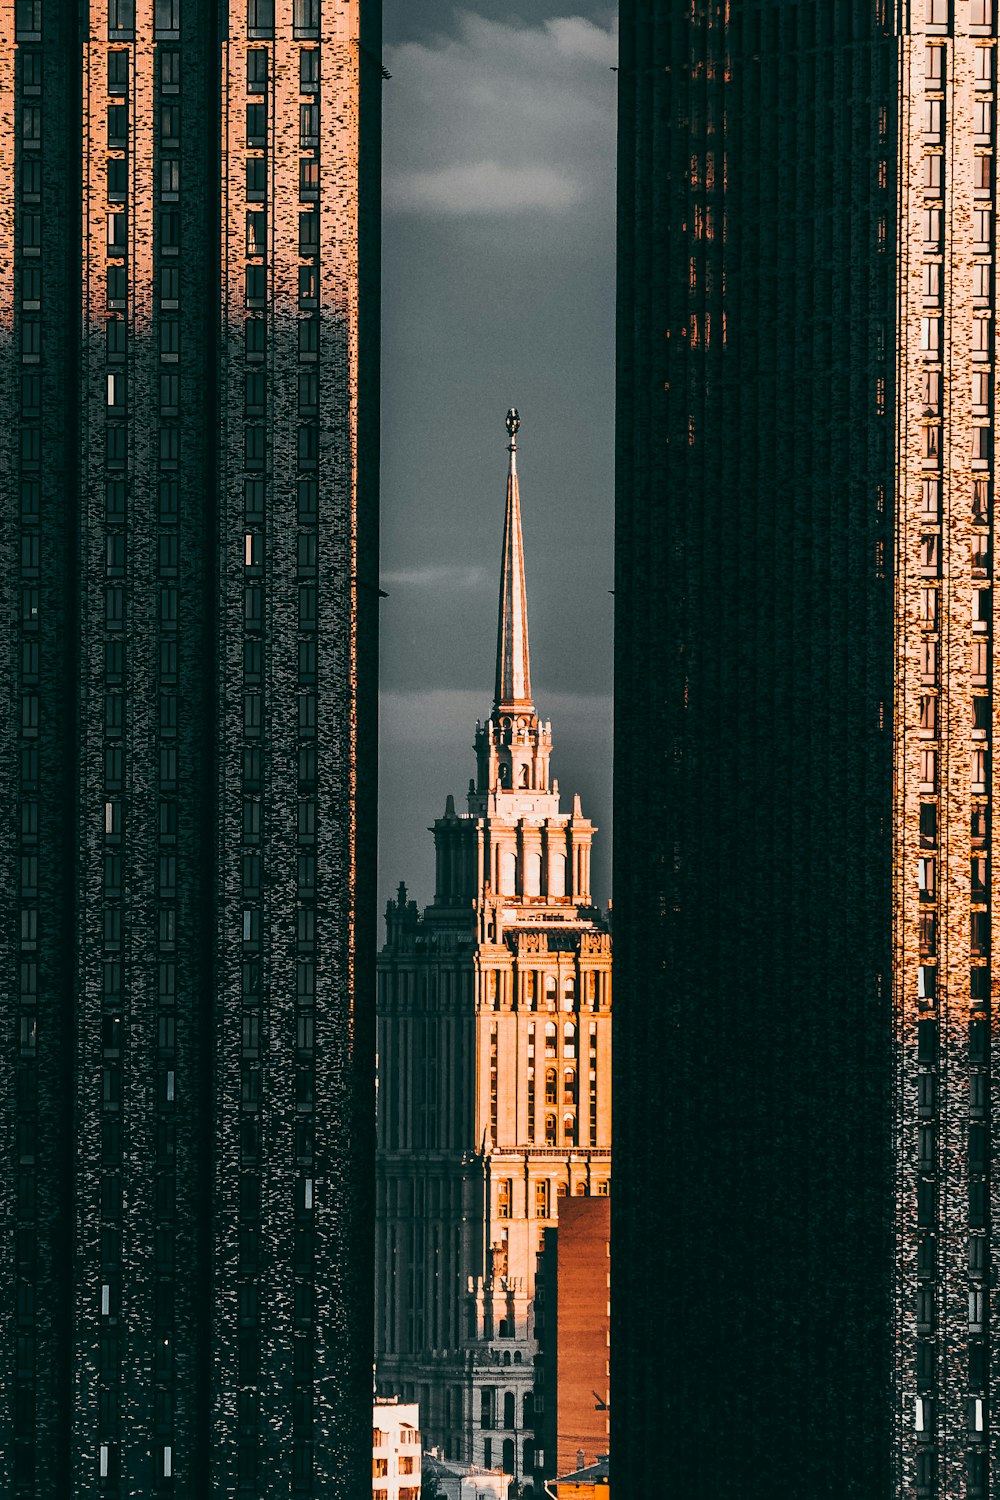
(28,240)
(254,562)
(980,920)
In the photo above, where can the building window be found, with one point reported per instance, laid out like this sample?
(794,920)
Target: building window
(256,125)
(305,18)
(256,70)
(308,126)
(121,19)
(260,18)
(930,336)
(309,70)
(256,179)
(308,228)
(504,1198)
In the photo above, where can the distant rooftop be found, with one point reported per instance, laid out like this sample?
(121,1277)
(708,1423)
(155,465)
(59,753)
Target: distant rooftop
(600,1470)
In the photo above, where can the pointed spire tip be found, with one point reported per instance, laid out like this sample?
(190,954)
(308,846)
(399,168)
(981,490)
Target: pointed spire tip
(513,681)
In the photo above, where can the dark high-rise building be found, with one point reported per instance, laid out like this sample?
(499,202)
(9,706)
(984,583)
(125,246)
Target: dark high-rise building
(188,490)
(768,183)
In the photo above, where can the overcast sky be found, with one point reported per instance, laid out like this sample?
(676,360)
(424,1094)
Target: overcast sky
(498,263)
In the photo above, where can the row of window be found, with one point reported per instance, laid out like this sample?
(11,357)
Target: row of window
(167,19)
(937,13)
(542,1195)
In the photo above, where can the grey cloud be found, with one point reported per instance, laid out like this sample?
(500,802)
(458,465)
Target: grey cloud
(531,104)
(435,576)
(484,187)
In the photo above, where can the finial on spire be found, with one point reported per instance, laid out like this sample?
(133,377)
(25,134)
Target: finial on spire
(513,424)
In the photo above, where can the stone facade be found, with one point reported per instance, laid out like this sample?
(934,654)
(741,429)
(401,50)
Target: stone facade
(494,1048)
(188,368)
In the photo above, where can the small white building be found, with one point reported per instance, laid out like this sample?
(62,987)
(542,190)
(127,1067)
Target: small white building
(466,1481)
(395,1449)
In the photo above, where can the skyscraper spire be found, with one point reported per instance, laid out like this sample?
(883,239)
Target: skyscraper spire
(513,684)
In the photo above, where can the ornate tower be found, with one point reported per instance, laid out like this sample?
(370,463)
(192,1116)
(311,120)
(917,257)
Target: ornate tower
(494,1074)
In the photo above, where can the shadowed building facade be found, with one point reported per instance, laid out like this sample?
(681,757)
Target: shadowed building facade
(494,1046)
(753,1262)
(188,483)
(804,950)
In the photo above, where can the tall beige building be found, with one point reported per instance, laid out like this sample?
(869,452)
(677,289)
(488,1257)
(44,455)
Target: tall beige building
(494,1040)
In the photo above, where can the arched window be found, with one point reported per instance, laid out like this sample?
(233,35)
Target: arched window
(508,1455)
(550,1086)
(508,1411)
(550,1130)
(557,875)
(524,776)
(528,1419)
(569,994)
(550,1039)
(551,989)
(569,1086)
(508,872)
(569,1040)
(529,1459)
(532,874)
(580,1191)
(569,1130)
